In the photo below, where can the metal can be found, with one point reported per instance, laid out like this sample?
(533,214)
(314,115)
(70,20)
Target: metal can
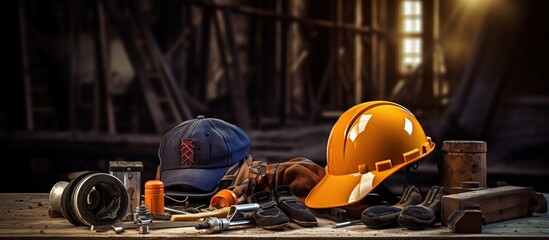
(462,161)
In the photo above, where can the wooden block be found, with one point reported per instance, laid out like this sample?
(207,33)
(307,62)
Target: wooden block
(466,221)
(497,204)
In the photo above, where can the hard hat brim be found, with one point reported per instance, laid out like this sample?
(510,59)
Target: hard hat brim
(343,190)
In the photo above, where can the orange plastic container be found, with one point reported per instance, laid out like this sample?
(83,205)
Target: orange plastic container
(154,196)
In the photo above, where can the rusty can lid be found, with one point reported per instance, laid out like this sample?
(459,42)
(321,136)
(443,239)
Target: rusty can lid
(465,146)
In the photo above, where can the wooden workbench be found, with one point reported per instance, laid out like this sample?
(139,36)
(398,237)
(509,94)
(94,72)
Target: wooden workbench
(25,216)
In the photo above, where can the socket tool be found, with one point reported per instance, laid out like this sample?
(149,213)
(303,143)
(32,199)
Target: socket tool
(238,215)
(217,225)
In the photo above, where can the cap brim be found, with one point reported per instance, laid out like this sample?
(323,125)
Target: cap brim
(343,190)
(202,179)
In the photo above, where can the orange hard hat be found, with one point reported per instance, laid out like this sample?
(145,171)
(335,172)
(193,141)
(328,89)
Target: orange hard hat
(368,143)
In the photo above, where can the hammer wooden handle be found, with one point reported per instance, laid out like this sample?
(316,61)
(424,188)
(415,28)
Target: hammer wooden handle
(222,212)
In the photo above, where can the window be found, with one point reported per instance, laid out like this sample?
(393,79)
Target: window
(411,35)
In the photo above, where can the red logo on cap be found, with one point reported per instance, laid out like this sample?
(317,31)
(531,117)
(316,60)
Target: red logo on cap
(187,152)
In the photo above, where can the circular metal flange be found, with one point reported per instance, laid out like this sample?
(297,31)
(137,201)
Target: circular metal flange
(99,199)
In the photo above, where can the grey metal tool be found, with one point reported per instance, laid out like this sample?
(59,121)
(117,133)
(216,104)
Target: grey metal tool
(173,210)
(117,229)
(347,223)
(143,223)
(104,228)
(238,215)
(141,211)
(217,225)
(121,226)
(241,211)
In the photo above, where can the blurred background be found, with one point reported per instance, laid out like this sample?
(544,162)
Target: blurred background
(94,81)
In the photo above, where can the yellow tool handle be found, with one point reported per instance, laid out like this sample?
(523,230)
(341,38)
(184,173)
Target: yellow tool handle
(222,212)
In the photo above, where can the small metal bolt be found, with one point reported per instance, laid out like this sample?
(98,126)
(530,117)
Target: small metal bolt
(143,223)
(144,229)
(117,229)
(141,211)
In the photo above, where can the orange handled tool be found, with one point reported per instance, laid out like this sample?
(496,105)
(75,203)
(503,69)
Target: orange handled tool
(154,196)
(224,198)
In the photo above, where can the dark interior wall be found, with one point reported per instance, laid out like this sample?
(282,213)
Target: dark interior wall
(13,87)
(495,55)
(517,124)
(501,91)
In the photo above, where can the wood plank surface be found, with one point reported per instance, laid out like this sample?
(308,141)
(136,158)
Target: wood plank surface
(25,216)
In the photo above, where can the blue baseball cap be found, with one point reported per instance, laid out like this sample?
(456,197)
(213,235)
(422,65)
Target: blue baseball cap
(198,152)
